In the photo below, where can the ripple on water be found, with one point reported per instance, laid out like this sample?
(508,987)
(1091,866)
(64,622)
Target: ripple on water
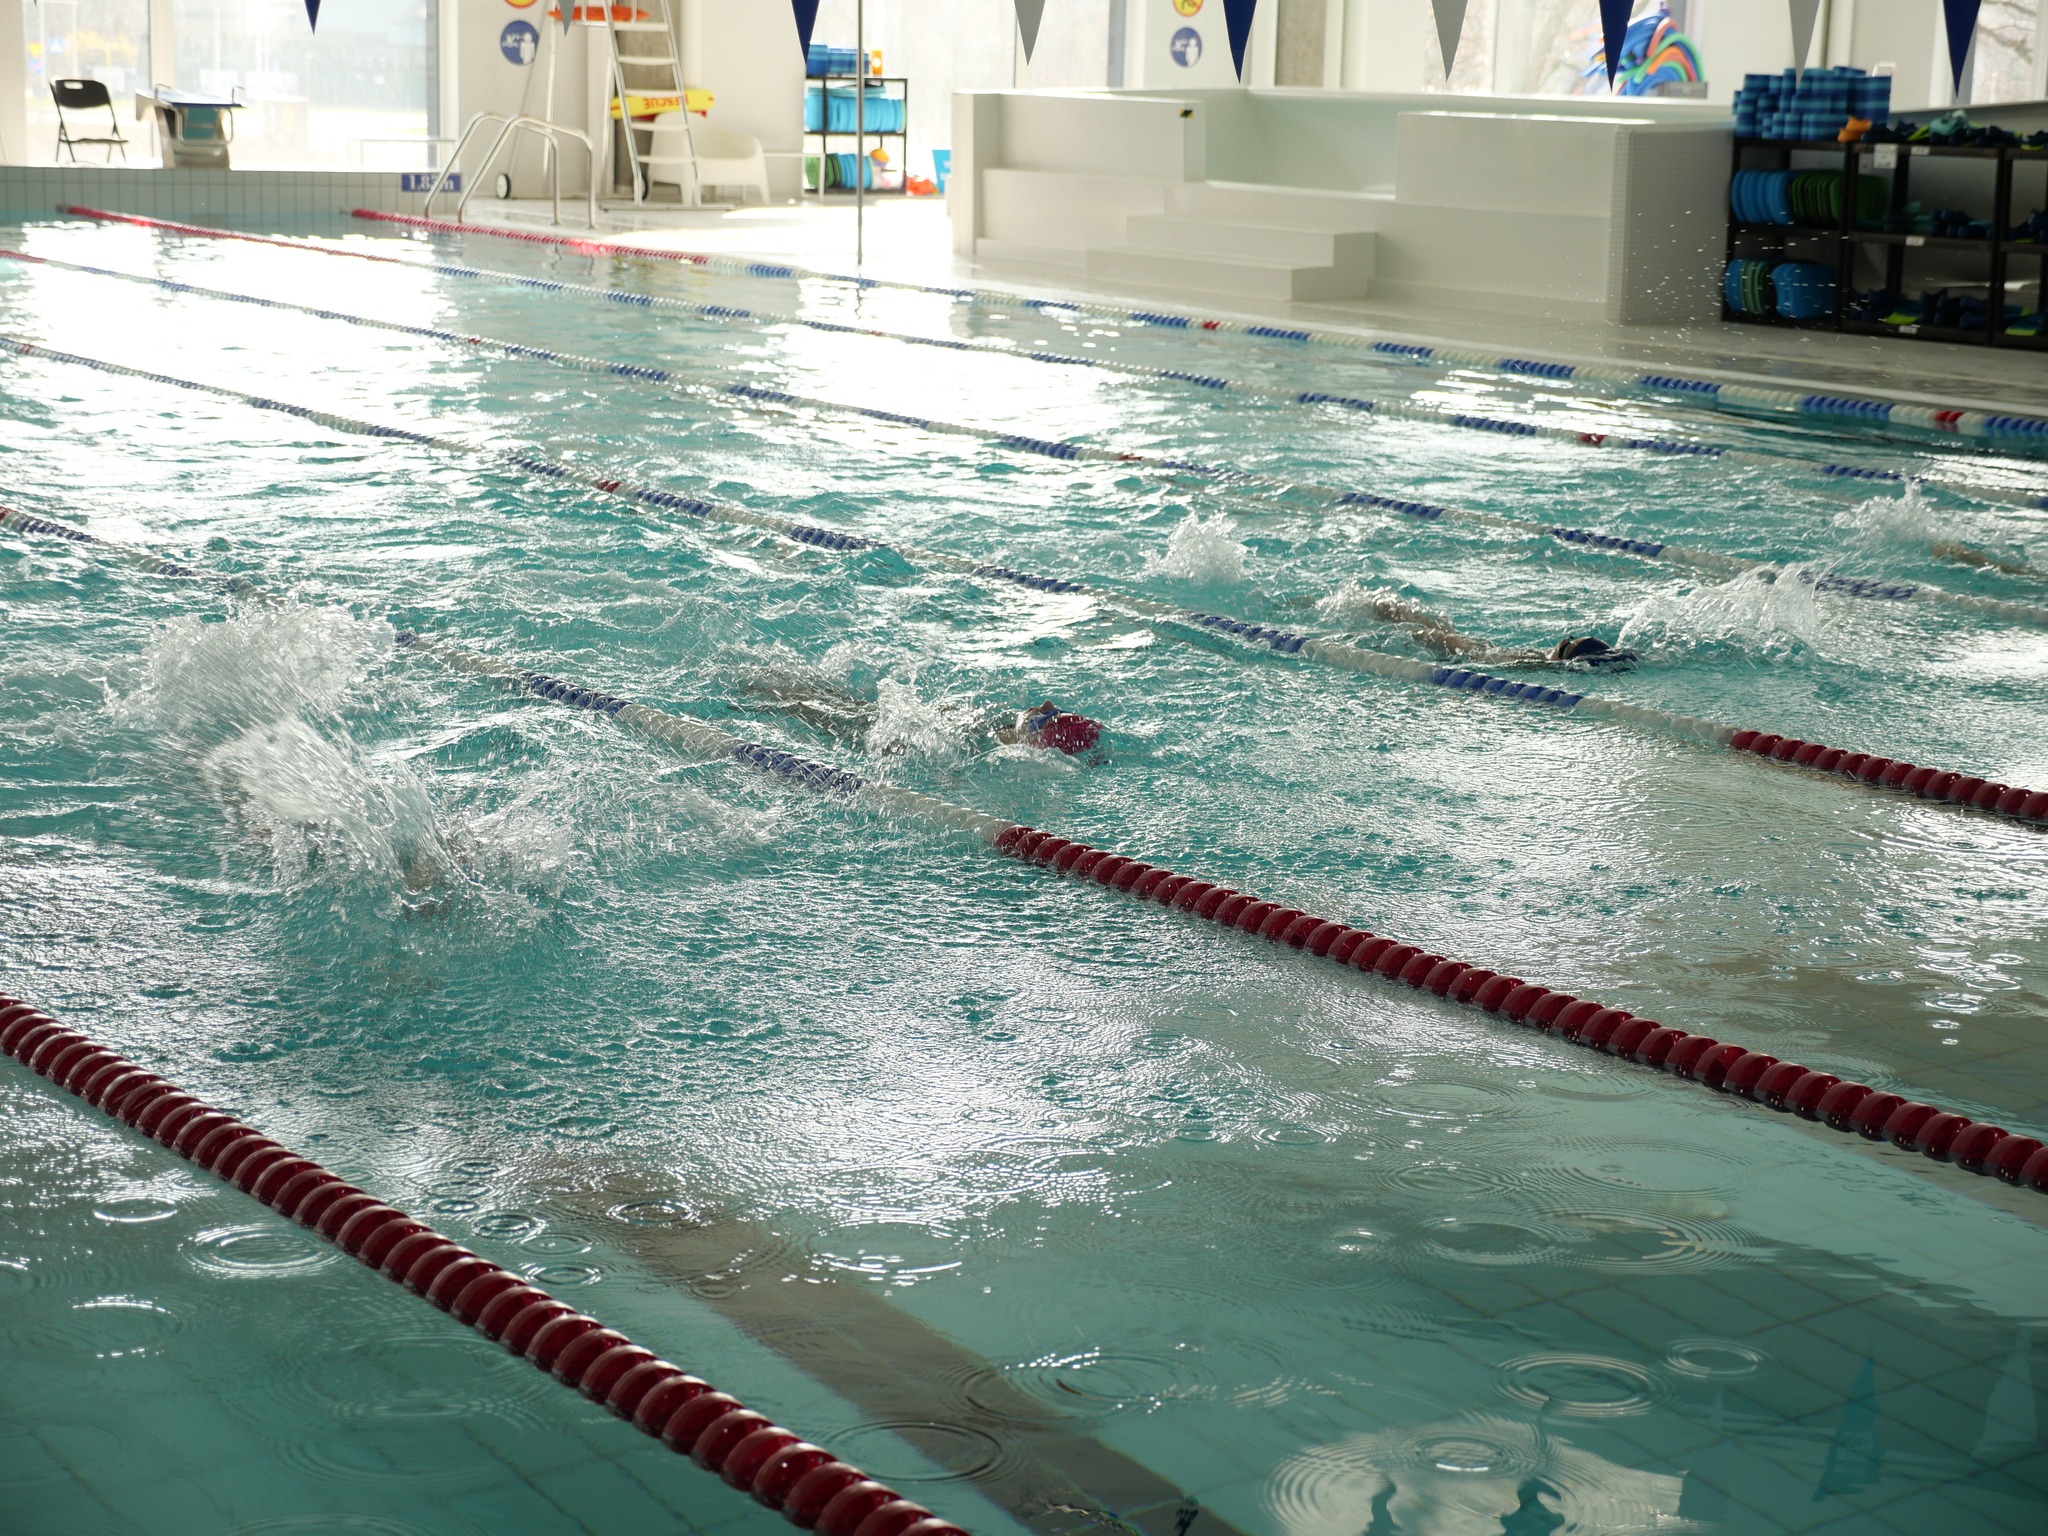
(1578,1386)
(1086,1384)
(509,1226)
(134,1210)
(258,1251)
(405,1378)
(1492,1240)
(1452,1102)
(1714,1359)
(1476,1473)
(109,1328)
(921,1451)
(1622,1242)
(446,1523)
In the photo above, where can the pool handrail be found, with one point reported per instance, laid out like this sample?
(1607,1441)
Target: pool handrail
(511,123)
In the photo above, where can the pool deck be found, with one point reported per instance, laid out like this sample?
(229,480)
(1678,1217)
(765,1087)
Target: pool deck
(910,240)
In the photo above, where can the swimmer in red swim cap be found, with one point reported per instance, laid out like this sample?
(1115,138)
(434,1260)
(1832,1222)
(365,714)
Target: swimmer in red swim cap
(1053,729)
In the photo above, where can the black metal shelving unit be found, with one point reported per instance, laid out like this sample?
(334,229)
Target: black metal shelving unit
(1837,244)
(823,137)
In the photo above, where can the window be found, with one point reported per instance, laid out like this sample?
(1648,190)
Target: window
(362,91)
(2007,52)
(1541,47)
(103,40)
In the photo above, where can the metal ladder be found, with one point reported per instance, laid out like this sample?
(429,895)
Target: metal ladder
(660,75)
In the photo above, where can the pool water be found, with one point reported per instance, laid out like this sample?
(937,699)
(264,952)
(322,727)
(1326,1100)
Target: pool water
(1056,1210)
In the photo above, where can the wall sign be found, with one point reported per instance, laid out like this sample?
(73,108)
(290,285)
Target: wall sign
(1186,47)
(519,42)
(1188,7)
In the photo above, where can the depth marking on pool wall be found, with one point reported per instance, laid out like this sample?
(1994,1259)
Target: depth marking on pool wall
(1942,786)
(1690,386)
(1790,1087)
(1314,399)
(806,1484)
(1267,488)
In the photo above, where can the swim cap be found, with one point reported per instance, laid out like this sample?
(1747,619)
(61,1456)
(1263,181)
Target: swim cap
(1071,734)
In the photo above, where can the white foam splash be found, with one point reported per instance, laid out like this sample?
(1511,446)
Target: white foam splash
(206,681)
(1903,519)
(1354,603)
(1768,611)
(918,727)
(1207,552)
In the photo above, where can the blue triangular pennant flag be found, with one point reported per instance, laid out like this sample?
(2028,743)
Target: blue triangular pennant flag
(1961,16)
(313,14)
(806,19)
(1613,28)
(1237,19)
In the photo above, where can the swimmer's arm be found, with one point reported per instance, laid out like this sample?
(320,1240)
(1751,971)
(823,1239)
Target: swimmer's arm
(1964,554)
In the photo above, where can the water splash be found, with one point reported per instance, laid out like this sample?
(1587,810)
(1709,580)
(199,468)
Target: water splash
(1903,519)
(917,727)
(1354,604)
(1769,612)
(1207,552)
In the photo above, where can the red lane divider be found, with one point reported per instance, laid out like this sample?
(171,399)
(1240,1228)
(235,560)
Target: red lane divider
(812,1488)
(1896,773)
(1782,1085)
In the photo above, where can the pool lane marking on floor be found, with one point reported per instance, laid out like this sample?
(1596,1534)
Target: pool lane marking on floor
(1829,472)
(1060,450)
(1690,386)
(901,1371)
(1790,1087)
(806,1484)
(1942,786)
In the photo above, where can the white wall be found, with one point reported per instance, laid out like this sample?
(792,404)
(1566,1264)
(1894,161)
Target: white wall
(14,147)
(490,82)
(746,55)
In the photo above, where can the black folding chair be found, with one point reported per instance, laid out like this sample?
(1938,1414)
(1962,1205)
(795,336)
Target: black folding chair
(85,96)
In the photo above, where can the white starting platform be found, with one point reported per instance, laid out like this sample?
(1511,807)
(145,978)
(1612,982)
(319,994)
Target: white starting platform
(193,128)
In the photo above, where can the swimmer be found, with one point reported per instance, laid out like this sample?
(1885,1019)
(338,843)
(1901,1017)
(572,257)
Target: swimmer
(1437,635)
(848,717)
(1964,554)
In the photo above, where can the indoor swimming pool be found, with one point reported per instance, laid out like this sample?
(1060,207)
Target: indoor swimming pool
(1057,1210)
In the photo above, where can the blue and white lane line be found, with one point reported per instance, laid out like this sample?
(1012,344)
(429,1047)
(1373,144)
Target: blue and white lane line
(1354,405)
(1164,619)
(1872,588)
(691,737)
(2017,428)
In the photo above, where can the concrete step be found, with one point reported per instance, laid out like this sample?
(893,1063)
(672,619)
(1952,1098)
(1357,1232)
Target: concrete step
(1248,277)
(1046,207)
(1351,250)
(1232,202)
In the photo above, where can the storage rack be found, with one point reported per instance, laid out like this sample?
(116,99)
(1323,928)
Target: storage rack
(1838,243)
(824,136)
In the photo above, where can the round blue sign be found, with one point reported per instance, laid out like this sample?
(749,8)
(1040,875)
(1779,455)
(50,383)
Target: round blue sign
(1186,47)
(519,42)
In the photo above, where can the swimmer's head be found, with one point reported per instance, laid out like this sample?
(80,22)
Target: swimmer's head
(1050,728)
(1592,651)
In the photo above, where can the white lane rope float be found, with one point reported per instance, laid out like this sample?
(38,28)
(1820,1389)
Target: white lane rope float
(1268,487)
(2012,426)
(1834,473)
(1164,619)
(1790,1087)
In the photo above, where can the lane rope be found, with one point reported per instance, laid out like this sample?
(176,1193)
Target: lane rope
(1837,474)
(2017,426)
(1789,1087)
(807,1485)
(1067,451)
(1968,791)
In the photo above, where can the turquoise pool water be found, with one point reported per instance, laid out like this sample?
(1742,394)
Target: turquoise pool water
(1056,1209)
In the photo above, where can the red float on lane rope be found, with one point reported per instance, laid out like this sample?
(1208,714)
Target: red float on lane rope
(1851,1108)
(755,1455)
